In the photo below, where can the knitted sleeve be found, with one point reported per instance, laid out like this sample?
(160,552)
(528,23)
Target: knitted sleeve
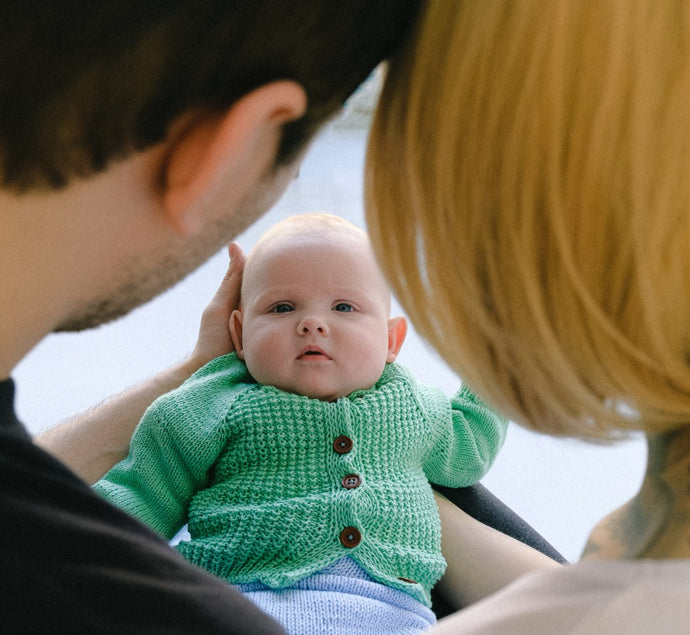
(173,448)
(468,438)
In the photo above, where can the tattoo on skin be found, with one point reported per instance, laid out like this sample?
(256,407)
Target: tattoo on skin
(656,522)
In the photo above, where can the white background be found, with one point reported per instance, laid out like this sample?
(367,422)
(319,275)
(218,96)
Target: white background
(561,487)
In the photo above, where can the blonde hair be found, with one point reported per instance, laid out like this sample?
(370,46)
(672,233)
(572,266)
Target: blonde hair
(528,196)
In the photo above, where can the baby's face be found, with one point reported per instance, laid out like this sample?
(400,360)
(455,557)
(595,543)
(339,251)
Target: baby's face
(315,318)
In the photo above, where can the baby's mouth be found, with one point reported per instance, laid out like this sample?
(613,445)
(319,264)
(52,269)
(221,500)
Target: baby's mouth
(313,353)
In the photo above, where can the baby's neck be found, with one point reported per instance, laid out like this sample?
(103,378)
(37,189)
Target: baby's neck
(656,522)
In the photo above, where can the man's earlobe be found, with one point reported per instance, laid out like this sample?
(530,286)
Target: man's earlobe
(235,327)
(397,331)
(207,147)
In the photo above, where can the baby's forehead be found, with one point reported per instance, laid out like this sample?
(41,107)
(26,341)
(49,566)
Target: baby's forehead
(317,228)
(312,257)
(344,239)
(275,251)
(342,245)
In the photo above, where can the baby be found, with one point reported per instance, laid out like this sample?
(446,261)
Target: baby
(301,462)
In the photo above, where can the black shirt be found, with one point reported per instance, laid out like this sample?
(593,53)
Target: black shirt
(72,563)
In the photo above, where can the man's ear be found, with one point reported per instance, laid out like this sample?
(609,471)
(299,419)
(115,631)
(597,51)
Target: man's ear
(235,326)
(397,330)
(206,147)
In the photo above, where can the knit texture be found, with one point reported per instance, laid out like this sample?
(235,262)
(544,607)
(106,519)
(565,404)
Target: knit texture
(341,599)
(253,471)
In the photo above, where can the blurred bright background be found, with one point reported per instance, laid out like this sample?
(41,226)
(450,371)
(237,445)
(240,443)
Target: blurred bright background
(561,487)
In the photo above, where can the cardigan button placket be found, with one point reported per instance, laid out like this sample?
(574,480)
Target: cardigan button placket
(343,444)
(350,537)
(351,481)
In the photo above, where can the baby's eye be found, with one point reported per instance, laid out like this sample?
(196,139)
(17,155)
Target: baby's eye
(284,307)
(343,307)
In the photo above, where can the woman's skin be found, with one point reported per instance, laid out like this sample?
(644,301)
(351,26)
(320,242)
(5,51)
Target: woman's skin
(480,559)
(656,522)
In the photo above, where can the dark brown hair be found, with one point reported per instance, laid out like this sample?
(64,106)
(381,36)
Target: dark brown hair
(84,83)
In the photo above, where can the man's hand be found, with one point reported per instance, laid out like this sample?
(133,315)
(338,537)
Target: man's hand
(214,336)
(94,441)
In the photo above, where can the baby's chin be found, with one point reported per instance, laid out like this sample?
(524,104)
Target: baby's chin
(313,386)
(326,395)
(322,394)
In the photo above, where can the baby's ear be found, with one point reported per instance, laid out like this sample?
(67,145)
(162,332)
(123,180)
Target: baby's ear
(235,327)
(397,330)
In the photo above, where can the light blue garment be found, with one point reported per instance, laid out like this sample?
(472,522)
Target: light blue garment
(341,599)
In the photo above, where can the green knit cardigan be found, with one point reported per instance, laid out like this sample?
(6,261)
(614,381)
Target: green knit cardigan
(268,493)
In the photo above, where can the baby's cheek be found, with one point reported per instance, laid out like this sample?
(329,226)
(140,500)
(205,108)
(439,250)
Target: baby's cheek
(264,359)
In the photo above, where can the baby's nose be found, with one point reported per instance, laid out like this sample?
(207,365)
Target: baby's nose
(312,324)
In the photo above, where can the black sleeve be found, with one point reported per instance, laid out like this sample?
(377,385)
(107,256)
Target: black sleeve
(480,503)
(72,563)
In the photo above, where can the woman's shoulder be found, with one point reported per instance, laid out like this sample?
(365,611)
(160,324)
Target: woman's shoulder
(622,596)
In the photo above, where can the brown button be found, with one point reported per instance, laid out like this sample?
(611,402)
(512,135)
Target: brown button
(342,444)
(351,481)
(350,537)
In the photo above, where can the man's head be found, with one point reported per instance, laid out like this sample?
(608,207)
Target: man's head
(315,310)
(83,84)
(137,138)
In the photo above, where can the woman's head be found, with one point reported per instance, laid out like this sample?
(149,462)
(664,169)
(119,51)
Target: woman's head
(528,195)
